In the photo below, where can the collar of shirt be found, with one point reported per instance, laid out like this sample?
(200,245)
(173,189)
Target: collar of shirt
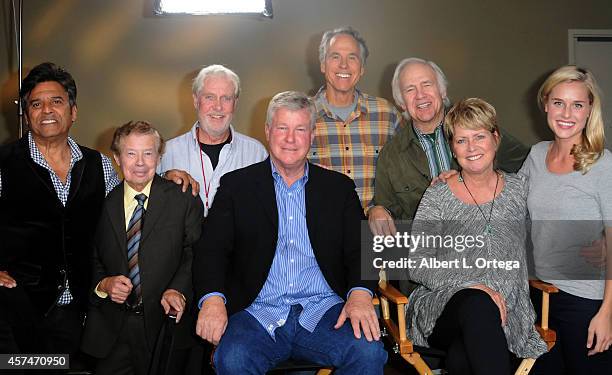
(278,178)
(196,141)
(323,105)
(436,149)
(437,131)
(130,203)
(61,189)
(342,110)
(37,156)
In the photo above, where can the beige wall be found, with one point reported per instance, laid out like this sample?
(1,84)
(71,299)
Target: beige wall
(129,64)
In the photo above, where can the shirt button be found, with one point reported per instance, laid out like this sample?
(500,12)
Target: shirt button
(347,148)
(292,260)
(287,301)
(270,327)
(290,241)
(289,194)
(291,285)
(348,171)
(290,217)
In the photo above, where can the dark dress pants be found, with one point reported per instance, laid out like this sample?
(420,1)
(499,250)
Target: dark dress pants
(570,317)
(469,330)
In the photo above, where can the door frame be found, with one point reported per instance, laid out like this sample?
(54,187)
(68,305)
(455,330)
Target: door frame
(574,34)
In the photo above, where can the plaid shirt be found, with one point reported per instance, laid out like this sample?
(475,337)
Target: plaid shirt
(62,190)
(352,146)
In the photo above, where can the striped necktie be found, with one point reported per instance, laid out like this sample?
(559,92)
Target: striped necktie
(133,243)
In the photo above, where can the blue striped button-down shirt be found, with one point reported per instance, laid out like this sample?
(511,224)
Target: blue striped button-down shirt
(295,276)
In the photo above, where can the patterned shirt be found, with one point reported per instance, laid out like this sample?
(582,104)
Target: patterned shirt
(63,189)
(437,150)
(352,146)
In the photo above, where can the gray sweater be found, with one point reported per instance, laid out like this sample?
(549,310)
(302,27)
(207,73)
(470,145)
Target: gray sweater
(440,212)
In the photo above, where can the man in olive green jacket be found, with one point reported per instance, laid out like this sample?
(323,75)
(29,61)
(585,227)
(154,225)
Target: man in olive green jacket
(420,152)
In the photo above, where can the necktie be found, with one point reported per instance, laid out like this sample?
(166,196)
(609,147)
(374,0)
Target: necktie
(133,243)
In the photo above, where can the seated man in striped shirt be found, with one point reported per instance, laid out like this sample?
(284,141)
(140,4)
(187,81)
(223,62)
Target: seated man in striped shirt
(279,254)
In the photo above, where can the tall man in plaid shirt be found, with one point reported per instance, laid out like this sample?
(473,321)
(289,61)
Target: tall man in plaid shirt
(352,126)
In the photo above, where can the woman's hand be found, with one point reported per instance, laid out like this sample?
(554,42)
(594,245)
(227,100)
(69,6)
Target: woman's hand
(600,333)
(497,298)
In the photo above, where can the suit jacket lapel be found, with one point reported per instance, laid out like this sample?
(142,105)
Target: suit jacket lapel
(313,203)
(266,194)
(116,211)
(155,207)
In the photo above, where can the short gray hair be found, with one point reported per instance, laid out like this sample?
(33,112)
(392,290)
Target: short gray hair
(293,101)
(215,70)
(346,30)
(395,82)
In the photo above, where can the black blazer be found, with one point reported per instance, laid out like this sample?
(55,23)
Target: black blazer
(238,242)
(171,224)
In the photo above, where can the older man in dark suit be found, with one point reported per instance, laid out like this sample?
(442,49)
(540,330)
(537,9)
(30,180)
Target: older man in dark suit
(142,257)
(280,255)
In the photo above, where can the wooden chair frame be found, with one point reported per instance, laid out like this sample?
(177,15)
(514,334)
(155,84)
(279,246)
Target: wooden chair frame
(548,335)
(401,344)
(404,347)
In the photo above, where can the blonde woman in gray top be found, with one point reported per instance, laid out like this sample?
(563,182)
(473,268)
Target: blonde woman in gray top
(474,303)
(570,205)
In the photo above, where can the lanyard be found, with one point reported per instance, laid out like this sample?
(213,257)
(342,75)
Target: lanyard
(206,186)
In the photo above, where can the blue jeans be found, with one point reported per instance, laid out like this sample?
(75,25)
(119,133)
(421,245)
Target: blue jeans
(246,347)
